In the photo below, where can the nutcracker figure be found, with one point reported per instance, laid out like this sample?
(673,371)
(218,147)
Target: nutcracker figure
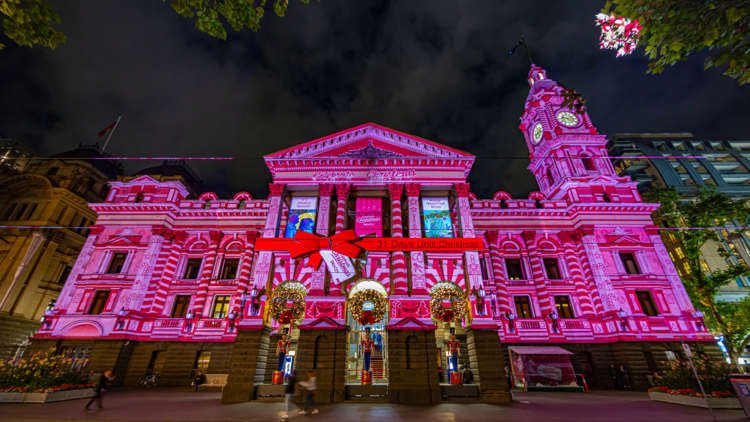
(455,351)
(366,346)
(282,349)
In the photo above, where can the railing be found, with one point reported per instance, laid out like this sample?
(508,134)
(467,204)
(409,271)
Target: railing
(169,323)
(657,323)
(211,324)
(517,282)
(186,281)
(576,325)
(531,325)
(559,282)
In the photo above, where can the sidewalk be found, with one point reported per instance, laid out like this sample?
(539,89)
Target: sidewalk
(171,404)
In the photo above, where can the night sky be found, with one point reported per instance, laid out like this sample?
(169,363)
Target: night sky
(437,69)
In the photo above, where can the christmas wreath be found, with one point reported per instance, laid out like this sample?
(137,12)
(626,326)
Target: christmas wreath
(447,292)
(288,304)
(379,302)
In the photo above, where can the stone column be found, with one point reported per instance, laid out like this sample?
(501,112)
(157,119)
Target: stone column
(208,270)
(170,267)
(599,269)
(247,265)
(324,208)
(25,304)
(678,289)
(466,226)
(497,270)
(487,361)
(538,277)
(342,194)
(271,229)
(576,273)
(325,352)
(588,274)
(145,268)
(418,284)
(83,259)
(400,284)
(37,238)
(413,370)
(247,366)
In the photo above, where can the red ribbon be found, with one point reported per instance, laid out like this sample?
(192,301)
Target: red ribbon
(305,243)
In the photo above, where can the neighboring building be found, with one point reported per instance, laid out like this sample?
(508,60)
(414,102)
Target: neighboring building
(725,164)
(14,156)
(171,171)
(168,285)
(45,214)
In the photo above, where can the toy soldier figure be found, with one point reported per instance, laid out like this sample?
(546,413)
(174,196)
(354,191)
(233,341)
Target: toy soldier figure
(282,349)
(455,351)
(366,346)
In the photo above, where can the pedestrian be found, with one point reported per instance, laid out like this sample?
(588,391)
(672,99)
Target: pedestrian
(624,378)
(615,374)
(379,342)
(467,375)
(199,379)
(507,376)
(101,389)
(289,391)
(311,384)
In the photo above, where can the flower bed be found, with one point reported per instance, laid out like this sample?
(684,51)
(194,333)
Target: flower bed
(43,378)
(688,397)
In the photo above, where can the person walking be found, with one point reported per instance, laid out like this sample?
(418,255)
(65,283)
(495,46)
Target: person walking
(507,376)
(289,391)
(199,379)
(625,378)
(615,374)
(467,375)
(101,389)
(311,384)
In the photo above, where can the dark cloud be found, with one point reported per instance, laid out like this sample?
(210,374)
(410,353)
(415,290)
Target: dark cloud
(438,69)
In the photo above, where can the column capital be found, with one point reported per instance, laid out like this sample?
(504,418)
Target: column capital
(215,235)
(461,190)
(492,236)
(395,190)
(413,189)
(566,237)
(179,235)
(277,189)
(343,190)
(252,235)
(162,231)
(585,231)
(528,236)
(325,189)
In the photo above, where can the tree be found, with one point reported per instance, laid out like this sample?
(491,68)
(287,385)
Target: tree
(732,320)
(29,22)
(673,29)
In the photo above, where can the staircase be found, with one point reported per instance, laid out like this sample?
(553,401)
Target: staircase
(377,366)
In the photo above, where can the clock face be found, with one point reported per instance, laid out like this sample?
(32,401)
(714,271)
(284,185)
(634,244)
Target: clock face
(567,118)
(537,133)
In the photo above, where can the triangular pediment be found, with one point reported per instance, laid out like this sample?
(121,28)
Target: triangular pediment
(144,179)
(322,323)
(369,139)
(412,324)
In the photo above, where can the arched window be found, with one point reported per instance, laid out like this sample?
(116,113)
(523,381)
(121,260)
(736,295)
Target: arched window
(503,204)
(52,171)
(606,197)
(207,205)
(241,205)
(550,179)
(538,204)
(588,163)
(139,197)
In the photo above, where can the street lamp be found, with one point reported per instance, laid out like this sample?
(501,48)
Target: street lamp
(121,318)
(553,316)
(511,321)
(624,318)
(189,318)
(253,299)
(231,317)
(480,301)
(47,322)
(493,302)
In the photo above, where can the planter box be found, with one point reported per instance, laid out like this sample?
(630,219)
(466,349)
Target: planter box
(46,397)
(716,403)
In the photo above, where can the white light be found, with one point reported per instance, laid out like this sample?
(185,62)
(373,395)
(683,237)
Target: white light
(292,353)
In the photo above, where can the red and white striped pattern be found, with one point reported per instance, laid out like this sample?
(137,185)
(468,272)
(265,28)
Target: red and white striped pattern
(576,272)
(589,277)
(537,273)
(445,269)
(245,267)
(286,269)
(342,193)
(497,271)
(168,270)
(377,268)
(155,283)
(208,269)
(398,258)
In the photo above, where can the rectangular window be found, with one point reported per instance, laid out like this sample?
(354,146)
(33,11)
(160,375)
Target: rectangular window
(117,263)
(192,268)
(680,253)
(64,274)
(687,267)
(704,266)
(564,310)
(553,272)
(646,300)
(483,268)
(99,302)
(202,361)
(515,271)
(180,308)
(32,208)
(671,355)
(673,238)
(628,261)
(221,305)
(21,209)
(523,307)
(229,272)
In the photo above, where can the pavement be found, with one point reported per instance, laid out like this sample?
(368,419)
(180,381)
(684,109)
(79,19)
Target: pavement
(173,404)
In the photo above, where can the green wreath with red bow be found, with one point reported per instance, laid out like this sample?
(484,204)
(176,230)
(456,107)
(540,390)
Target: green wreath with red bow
(279,307)
(443,292)
(380,306)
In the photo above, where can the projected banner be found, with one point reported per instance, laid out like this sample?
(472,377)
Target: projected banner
(301,216)
(369,219)
(437,217)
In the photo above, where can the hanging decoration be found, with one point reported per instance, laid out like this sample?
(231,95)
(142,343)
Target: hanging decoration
(448,303)
(618,33)
(378,312)
(288,304)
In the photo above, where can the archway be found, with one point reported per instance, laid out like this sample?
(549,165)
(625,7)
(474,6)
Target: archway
(378,334)
(285,298)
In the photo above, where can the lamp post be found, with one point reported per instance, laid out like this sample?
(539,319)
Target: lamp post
(47,322)
(493,303)
(121,318)
(189,318)
(511,321)
(624,318)
(553,316)
(480,302)
(231,317)
(253,301)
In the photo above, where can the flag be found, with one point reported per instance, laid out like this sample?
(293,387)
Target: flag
(107,129)
(513,50)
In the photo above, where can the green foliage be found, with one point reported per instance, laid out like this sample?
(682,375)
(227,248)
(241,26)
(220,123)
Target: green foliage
(673,29)
(730,319)
(43,371)
(28,22)
(713,375)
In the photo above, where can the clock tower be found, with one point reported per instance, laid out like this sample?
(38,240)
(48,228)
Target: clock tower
(568,157)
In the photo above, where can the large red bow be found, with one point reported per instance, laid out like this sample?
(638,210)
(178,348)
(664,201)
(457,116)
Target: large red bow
(305,242)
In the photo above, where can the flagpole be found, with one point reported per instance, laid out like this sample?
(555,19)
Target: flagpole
(527,50)
(118,121)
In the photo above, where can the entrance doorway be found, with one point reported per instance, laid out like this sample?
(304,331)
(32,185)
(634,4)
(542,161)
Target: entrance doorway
(378,334)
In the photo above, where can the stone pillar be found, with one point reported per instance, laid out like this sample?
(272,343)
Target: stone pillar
(400,284)
(418,285)
(598,269)
(487,361)
(208,270)
(170,267)
(324,208)
(26,303)
(83,259)
(325,352)
(576,273)
(497,270)
(244,275)
(538,277)
(342,194)
(271,229)
(248,365)
(413,369)
(466,229)
(678,289)
(37,238)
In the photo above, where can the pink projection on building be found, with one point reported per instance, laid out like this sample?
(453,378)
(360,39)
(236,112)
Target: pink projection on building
(579,261)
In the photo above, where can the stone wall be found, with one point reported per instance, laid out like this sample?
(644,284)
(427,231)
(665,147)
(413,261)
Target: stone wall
(413,368)
(488,365)
(248,365)
(179,363)
(324,351)
(13,332)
